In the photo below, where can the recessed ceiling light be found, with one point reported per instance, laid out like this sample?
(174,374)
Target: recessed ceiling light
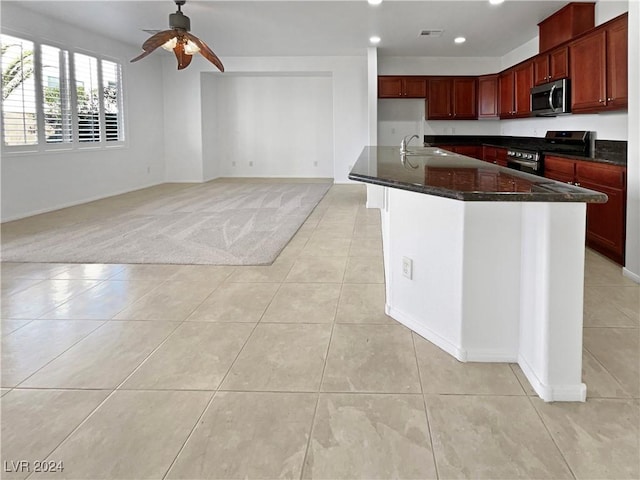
(495,2)
(459,39)
(375,39)
(374,2)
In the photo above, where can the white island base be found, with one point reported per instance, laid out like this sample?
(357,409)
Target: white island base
(491,281)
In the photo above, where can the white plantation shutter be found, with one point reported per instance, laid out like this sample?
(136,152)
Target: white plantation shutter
(87,97)
(112,100)
(56,95)
(51,99)
(19,105)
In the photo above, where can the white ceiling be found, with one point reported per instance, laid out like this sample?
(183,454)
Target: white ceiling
(308,27)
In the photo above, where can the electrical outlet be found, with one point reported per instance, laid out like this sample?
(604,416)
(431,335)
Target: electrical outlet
(393,130)
(233,164)
(315,164)
(407,267)
(251,164)
(148,170)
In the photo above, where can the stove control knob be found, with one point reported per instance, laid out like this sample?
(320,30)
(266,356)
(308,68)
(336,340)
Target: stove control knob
(510,153)
(518,155)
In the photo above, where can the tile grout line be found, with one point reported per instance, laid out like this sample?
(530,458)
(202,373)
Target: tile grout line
(104,322)
(424,404)
(113,392)
(518,379)
(551,437)
(161,284)
(319,391)
(615,378)
(191,432)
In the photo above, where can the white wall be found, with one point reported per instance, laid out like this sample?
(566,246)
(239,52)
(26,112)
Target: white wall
(268,125)
(183,109)
(608,126)
(438,65)
(632,264)
(33,183)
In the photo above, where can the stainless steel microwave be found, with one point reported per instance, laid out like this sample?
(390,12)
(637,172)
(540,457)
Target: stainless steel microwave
(551,99)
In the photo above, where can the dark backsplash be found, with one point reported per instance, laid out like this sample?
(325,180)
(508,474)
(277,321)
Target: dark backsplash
(614,150)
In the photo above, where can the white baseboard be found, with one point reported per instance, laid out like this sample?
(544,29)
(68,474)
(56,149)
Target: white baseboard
(553,393)
(78,202)
(426,333)
(630,275)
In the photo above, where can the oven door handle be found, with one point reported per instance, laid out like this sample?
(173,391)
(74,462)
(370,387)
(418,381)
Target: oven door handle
(533,165)
(551,105)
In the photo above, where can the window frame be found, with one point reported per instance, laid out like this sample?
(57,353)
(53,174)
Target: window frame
(44,147)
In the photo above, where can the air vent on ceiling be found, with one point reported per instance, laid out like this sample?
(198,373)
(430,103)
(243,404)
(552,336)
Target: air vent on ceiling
(431,33)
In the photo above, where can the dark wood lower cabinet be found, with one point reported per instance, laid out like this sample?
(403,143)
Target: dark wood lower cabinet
(605,221)
(495,155)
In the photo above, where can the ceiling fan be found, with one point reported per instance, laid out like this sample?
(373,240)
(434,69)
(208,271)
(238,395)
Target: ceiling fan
(178,39)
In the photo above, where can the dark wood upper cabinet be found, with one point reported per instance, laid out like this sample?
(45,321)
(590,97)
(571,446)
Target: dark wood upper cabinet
(552,66)
(523,81)
(402,87)
(465,103)
(568,22)
(598,66)
(617,68)
(390,87)
(588,72)
(415,87)
(506,94)
(488,97)
(515,91)
(439,99)
(452,98)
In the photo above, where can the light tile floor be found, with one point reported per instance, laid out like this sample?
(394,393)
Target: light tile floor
(292,370)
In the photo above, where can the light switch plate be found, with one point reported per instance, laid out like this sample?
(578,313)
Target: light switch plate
(407,267)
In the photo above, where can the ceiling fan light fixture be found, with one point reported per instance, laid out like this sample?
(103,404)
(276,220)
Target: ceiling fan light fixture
(190,48)
(169,45)
(178,39)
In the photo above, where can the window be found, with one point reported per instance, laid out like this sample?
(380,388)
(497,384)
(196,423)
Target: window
(56,104)
(112,98)
(19,112)
(52,97)
(87,97)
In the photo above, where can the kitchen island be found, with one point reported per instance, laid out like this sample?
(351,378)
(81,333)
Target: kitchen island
(483,261)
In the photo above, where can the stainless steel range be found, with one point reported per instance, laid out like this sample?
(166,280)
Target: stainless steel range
(529,161)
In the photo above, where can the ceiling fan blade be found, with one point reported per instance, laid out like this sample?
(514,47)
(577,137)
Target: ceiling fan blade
(160,38)
(154,42)
(205,51)
(183,59)
(141,56)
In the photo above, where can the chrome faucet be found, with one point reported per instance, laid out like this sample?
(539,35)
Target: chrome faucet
(405,143)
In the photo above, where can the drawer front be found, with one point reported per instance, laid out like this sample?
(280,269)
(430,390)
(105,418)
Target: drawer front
(560,165)
(607,175)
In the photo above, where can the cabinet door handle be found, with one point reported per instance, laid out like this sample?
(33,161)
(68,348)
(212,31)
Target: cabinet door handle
(570,183)
(577,184)
(609,99)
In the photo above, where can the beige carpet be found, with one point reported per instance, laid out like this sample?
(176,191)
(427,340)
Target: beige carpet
(215,223)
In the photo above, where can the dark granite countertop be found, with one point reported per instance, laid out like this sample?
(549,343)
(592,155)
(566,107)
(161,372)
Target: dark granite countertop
(612,152)
(437,172)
